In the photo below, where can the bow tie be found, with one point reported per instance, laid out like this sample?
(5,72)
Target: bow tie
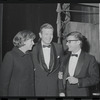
(48,46)
(76,55)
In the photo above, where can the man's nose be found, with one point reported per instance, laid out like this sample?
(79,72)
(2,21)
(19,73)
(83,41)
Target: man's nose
(66,43)
(32,42)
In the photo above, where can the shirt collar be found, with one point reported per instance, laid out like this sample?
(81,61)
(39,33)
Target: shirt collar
(42,43)
(78,52)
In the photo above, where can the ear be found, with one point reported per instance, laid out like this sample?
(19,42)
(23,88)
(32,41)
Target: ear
(79,42)
(40,35)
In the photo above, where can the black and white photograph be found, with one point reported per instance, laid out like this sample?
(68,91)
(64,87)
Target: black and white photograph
(50,51)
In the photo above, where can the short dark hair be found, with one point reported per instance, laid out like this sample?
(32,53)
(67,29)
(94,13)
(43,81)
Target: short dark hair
(46,26)
(77,35)
(22,36)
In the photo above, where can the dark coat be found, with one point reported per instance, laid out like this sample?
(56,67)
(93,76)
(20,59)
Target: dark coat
(46,83)
(86,71)
(16,74)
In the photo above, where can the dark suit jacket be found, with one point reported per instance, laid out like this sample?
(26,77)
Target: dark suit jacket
(16,74)
(86,71)
(46,80)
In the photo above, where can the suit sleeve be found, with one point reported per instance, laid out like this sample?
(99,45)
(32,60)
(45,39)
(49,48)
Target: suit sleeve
(5,74)
(61,53)
(93,75)
(60,79)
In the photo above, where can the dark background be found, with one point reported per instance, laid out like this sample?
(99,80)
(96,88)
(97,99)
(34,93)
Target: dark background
(26,16)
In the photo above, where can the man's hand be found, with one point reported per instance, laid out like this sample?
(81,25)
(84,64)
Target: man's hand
(72,80)
(62,94)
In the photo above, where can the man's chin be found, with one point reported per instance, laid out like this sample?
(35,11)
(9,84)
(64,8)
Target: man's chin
(48,43)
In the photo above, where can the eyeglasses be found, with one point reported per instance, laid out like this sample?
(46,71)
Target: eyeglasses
(69,41)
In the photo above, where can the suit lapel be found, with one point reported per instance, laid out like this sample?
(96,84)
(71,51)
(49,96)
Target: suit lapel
(41,57)
(53,58)
(79,64)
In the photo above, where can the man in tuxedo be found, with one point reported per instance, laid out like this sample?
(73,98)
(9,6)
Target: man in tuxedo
(46,58)
(78,69)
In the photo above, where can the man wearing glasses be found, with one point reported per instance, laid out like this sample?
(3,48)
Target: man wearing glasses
(78,70)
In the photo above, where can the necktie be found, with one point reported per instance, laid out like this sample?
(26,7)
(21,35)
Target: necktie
(76,55)
(48,46)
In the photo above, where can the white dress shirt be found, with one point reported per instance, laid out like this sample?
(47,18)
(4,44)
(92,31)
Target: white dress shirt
(73,62)
(46,53)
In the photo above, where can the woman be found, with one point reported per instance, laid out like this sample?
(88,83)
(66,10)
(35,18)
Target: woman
(17,70)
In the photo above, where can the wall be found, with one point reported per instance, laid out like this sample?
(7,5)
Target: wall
(1,16)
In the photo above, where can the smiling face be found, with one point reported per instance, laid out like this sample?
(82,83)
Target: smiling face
(72,43)
(46,35)
(28,44)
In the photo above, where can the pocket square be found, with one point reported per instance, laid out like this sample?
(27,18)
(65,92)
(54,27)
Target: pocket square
(58,56)
(34,69)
